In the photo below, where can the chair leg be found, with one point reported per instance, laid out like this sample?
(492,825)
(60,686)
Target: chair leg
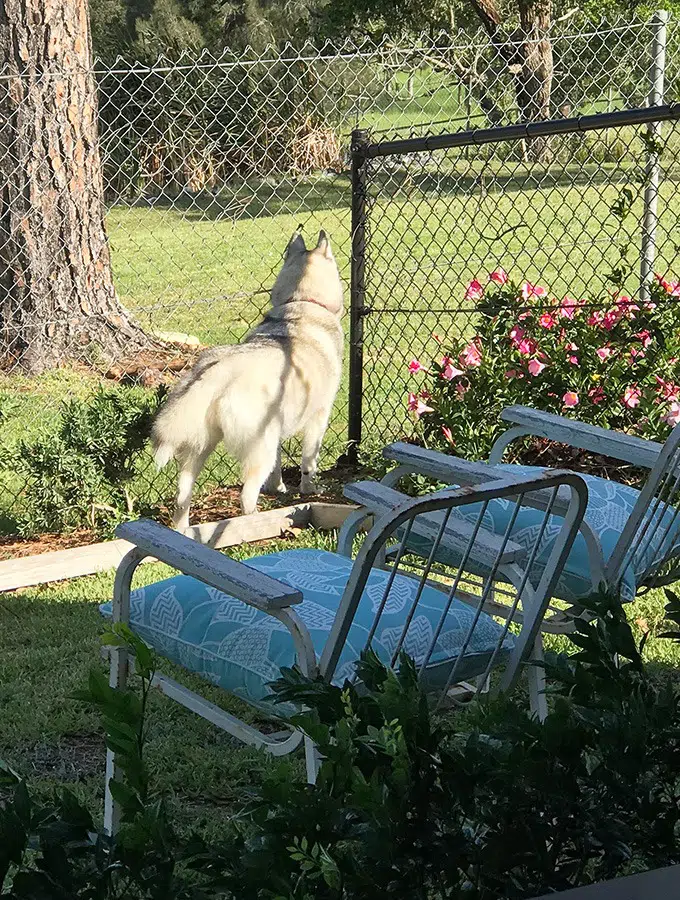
(118,674)
(538,703)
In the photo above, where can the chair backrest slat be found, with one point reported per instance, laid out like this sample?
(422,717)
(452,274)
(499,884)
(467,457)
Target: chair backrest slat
(451,635)
(650,540)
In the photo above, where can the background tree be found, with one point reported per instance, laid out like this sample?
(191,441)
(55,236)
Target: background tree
(57,299)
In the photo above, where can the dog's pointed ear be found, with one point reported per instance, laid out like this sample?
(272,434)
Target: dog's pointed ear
(296,244)
(324,245)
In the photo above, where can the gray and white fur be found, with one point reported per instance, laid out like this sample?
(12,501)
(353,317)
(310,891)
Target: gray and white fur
(280,381)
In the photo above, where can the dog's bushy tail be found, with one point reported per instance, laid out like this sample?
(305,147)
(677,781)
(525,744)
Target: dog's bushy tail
(180,427)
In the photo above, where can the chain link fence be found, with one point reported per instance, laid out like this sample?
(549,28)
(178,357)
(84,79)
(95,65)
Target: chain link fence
(209,164)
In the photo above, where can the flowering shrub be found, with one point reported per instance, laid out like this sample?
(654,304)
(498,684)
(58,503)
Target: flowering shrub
(610,361)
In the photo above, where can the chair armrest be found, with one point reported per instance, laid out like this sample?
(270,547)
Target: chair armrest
(457,535)
(616,444)
(209,566)
(450,469)
(464,472)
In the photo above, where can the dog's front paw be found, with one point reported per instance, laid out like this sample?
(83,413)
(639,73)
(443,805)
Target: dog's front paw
(309,486)
(275,486)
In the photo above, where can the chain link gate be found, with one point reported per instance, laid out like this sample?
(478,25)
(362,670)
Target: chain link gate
(431,214)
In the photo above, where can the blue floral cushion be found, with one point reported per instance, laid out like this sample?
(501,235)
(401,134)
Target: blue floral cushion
(609,507)
(242,649)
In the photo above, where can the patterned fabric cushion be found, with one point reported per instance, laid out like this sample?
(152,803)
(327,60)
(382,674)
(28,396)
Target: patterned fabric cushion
(609,507)
(242,649)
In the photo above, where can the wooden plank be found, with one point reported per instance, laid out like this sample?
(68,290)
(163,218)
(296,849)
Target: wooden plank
(59,565)
(327,516)
(205,563)
(617,444)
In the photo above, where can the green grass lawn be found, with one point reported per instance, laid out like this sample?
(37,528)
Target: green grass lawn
(48,644)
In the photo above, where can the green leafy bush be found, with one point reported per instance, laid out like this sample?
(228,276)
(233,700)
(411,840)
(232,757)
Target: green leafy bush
(76,473)
(610,361)
(487,804)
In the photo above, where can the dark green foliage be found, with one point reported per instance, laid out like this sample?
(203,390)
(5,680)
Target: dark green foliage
(76,472)
(485,804)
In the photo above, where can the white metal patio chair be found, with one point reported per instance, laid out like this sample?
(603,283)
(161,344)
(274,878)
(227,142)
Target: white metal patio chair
(236,624)
(629,539)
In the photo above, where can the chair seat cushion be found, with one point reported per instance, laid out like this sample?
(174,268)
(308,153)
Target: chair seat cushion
(610,505)
(242,649)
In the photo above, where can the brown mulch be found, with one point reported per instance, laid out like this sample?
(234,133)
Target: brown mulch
(221,503)
(14,548)
(151,368)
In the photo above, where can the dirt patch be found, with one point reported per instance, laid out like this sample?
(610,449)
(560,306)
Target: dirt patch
(70,758)
(13,548)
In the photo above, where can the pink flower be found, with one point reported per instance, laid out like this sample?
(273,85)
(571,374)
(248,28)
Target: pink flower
(597,394)
(532,290)
(415,366)
(672,416)
(474,290)
(547,320)
(536,367)
(671,287)
(669,390)
(516,334)
(637,351)
(570,398)
(471,355)
(527,347)
(525,315)
(604,352)
(612,318)
(417,406)
(450,371)
(499,276)
(571,346)
(631,397)
(596,317)
(573,360)
(513,373)
(627,307)
(645,337)
(569,308)
(447,434)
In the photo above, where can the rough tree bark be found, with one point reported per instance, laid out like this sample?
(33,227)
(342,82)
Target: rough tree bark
(57,300)
(528,55)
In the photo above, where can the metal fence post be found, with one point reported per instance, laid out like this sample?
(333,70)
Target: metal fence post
(655,98)
(360,142)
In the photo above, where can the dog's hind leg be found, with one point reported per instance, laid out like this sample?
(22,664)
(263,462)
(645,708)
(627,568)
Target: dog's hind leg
(190,469)
(311,445)
(274,484)
(256,468)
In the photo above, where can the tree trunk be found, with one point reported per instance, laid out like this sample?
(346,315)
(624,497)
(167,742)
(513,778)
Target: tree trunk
(528,57)
(533,83)
(57,300)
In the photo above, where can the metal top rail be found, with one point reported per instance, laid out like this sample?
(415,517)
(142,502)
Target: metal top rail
(527,130)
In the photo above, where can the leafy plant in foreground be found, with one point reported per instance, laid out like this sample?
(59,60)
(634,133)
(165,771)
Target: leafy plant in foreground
(485,803)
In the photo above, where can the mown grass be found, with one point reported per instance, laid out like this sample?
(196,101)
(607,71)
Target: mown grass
(49,641)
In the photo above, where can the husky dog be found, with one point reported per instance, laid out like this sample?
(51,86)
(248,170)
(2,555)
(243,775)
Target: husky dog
(281,380)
